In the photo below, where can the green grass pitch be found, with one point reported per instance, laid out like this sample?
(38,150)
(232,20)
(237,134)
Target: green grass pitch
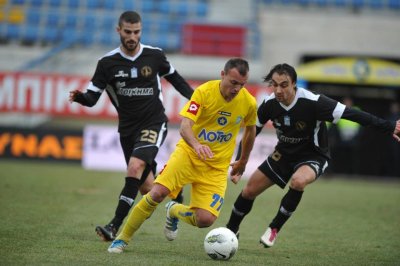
(49,212)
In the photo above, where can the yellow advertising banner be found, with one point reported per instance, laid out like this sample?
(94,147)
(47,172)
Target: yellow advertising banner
(351,70)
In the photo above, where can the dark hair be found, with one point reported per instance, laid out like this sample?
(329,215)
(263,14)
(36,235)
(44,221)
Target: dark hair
(282,69)
(240,64)
(130,17)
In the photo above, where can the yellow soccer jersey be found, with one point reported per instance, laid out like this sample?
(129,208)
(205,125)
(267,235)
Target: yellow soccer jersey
(217,122)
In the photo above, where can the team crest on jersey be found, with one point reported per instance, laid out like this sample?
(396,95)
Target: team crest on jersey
(193,108)
(286,120)
(146,71)
(222,120)
(238,120)
(301,125)
(134,72)
(121,74)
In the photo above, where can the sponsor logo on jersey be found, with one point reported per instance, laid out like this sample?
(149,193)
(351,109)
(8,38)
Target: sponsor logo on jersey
(300,125)
(217,136)
(135,91)
(193,108)
(121,74)
(222,120)
(146,71)
(134,72)
(224,113)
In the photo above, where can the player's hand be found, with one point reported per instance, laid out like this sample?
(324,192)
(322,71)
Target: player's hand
(236,178)
(73,94)
(237,171)
(396,133)
(203,151)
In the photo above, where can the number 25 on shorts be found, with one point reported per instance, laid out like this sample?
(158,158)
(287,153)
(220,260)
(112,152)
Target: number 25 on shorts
(217,202)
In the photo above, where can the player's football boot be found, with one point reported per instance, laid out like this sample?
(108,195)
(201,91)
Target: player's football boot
(117,246)
(269,237)
(107,233)
(171,224)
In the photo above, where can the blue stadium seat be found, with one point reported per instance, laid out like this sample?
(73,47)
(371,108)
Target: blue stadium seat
(109,4)
(17,2)
(55,3)
(182,9)
(51,35)
(340,3)
(73,4)
(89,21)
(394,4)
(12,31)
(30,33)
(148,6)
(52,18)
(357,3)
(128,5)
(321,3)
(70,35)
(71,20)
(304,2)
(36,3)
(201,9)
(108,22)
(108,38)
(376,4)
(33,16)
(93,4)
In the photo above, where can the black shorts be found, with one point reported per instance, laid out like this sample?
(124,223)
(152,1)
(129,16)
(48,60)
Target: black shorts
(280,168)
(145,143)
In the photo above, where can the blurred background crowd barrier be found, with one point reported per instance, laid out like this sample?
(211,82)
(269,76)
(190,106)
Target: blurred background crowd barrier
(342,48)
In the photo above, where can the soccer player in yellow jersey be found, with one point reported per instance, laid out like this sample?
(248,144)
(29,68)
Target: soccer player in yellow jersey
(210,124)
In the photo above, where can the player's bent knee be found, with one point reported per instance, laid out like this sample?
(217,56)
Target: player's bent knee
(298,183)
(204,219)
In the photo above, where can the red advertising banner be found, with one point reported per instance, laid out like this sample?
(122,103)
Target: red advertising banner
(46,93)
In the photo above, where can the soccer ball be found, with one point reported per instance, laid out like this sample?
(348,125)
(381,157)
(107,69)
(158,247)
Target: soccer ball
(221,244)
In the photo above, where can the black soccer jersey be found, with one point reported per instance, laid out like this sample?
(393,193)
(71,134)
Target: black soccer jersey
(133,85)
(301,128)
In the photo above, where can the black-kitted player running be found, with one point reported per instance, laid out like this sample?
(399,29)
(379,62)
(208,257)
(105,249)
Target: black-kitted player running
(131,75)
(301,154)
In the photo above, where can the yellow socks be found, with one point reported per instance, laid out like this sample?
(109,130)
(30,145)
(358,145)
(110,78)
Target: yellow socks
(183,213)
(142,210)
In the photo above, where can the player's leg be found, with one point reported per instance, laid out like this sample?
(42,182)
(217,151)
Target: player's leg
(139,214)
(175,174)
(139,151)
(207,198)
(304,174)
(257,183)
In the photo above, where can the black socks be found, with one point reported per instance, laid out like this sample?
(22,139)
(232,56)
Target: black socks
(126,200)
(288,206)
(240,209)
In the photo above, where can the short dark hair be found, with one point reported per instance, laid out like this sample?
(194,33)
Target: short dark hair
(130,17)
(240,64)
(282,69)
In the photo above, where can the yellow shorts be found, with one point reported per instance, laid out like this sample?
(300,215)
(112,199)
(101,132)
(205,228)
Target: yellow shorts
(208,183)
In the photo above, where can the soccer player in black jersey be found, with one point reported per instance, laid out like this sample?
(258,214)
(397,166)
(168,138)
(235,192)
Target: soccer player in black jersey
(301,154)
(130,75)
